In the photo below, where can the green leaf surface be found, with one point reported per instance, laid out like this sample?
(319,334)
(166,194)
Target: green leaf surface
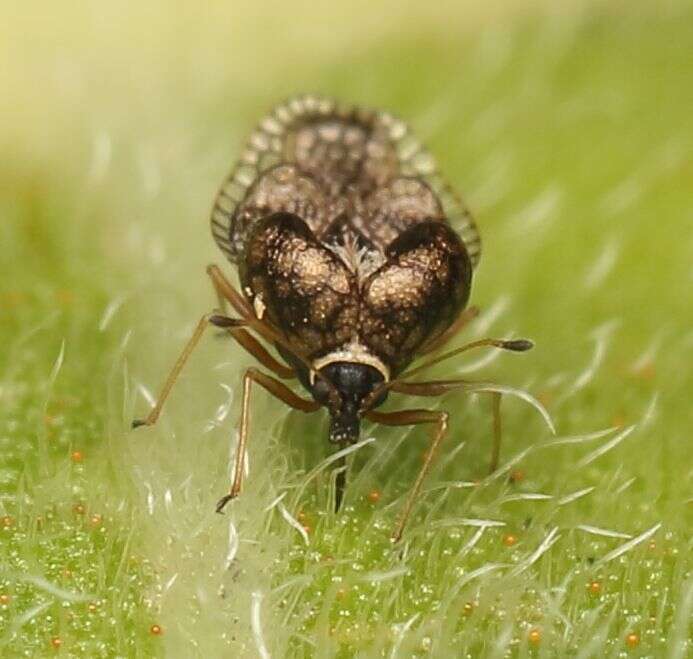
(568,133)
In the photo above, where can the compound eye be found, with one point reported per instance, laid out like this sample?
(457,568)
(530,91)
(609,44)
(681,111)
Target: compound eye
(321,391)
(370,403)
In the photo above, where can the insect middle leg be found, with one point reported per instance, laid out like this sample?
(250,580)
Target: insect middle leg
(278,390)
(411,418)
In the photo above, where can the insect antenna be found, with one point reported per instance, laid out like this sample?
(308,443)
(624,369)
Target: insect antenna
(514,345)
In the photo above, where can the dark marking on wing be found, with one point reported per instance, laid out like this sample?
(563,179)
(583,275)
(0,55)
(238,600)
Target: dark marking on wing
(416,294)
(305,290)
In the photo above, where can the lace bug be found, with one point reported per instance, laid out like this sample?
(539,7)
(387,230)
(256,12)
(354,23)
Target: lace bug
(354,258)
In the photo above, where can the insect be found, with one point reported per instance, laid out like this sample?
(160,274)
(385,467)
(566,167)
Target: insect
(354,259)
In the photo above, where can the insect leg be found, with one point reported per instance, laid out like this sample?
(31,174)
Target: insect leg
(257,350)
(411,418)
(278,390)
(440,387)
(206,320)
(225,291)
(265,330)
(221,300)
(497,428)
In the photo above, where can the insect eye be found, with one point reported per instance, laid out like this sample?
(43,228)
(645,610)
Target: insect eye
(321,391)
(377,401)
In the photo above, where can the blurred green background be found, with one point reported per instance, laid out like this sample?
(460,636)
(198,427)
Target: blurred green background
(568,131)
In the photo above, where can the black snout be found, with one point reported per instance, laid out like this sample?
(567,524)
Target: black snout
(345,425)
(353,382)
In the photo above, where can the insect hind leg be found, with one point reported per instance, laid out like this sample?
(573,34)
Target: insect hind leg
(441,387)
(414,418)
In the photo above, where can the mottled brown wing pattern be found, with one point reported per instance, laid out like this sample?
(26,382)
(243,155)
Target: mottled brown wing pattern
(283,188)
(300,286)
(344,152)
(348,153)
(390,210)
(416,294)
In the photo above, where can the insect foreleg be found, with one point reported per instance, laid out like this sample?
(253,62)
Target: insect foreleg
(280,391)
(411,418)
(205,321)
